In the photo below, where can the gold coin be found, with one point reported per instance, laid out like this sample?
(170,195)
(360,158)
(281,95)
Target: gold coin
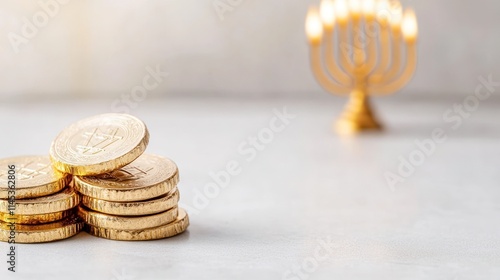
(32,176)
(99,144)
(147,177)
(61,201)
(168,230)
(62,229)
(35,219)
(127,223)
(139,208)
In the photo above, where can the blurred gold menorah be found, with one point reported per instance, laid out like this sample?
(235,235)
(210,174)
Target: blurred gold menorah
(363,44)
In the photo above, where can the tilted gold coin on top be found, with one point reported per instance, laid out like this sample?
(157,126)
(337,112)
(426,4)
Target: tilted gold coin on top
(33,176)
(99,144)
(147,177)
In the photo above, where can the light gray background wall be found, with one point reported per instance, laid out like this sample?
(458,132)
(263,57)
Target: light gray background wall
(102,47)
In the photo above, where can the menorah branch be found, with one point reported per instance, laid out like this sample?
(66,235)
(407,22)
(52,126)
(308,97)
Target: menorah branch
(395,66)
(401,81)
(331,61)
(371,46)
(384,49)
(323,79)
(345,50)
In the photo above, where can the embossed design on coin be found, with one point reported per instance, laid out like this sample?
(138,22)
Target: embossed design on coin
(34,177)
(98,141)
(99,144)
(127,173)
(33,169)
(149,176)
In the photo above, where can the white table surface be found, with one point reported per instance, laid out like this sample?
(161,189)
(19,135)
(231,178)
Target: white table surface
(306,187)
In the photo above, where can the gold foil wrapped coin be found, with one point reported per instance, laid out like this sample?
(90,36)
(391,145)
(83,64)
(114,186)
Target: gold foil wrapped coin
(62,229)
(36,219)
(30,176)
(61,201)
(99,144)
(135,208)
(126,223)
(147,177)
(164,231)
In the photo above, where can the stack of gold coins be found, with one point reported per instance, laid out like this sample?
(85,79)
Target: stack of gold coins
(36,202)
(126,194)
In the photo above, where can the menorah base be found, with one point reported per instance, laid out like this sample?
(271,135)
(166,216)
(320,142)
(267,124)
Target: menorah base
(358,116)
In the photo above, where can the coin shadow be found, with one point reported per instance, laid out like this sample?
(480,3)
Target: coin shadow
(177,238)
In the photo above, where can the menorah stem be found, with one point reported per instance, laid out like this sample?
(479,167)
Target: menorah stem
(358,115)
(371,45)
(385,50)
(345,49)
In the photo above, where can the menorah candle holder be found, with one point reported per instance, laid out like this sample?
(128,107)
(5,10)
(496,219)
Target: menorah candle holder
(357,48)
